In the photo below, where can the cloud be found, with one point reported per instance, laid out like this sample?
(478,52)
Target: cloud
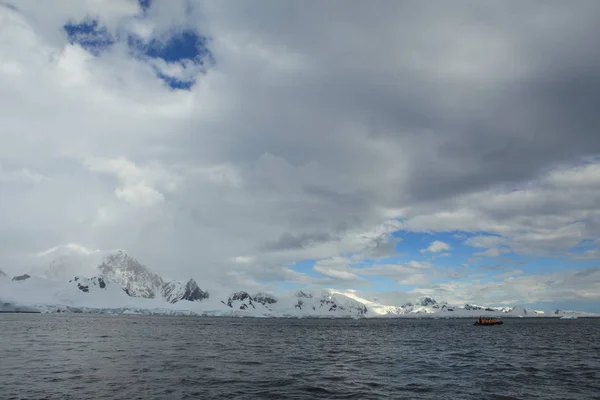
(297,144)
(22,175)
(287,241)
(513,287)
(336,273)
(409,273)
(436,246)
(487,242)
(592,254)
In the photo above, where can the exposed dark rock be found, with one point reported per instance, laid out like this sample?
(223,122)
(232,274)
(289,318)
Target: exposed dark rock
(85,287)
(303,294)
(427,301)
(327,302)
(362,309)
(264,299)
(241,296)
(21,277)
(175,291)
(135,279)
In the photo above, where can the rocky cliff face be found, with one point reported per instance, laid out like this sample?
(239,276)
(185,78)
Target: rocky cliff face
(426,301)
(138,281)
(21,277)
(175,291)
(244,301)
(133,277)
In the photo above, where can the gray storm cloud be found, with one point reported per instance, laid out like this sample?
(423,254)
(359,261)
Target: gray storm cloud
(314,127)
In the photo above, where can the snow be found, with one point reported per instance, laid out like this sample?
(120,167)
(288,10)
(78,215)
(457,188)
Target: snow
(121,285)
(87,295)
(175,291)
(132,276)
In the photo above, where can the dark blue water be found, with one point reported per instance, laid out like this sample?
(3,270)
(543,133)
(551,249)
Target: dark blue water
(136,357)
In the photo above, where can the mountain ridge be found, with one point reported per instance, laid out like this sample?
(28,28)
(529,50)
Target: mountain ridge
(124,285)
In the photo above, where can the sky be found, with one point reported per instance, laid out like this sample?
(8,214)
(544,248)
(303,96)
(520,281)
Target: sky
(397,149)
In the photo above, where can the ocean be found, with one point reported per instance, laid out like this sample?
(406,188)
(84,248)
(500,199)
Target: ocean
(78,356)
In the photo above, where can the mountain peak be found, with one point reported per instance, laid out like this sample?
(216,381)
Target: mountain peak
(2,273)
(134,278)
(175,291)
(264,298)
(426,301)
(304,295)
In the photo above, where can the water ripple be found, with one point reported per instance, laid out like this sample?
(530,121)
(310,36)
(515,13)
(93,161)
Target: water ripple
(136,357)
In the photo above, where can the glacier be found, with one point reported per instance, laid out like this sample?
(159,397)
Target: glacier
(122,285)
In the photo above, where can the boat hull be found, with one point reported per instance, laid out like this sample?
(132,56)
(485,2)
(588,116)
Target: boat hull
(489,323)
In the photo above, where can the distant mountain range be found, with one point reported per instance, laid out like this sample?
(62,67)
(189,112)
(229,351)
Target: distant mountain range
(121,284)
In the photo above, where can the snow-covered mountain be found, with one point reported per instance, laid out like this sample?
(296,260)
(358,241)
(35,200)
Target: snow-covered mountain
(70,260)
(121,284)
(175,291)
(2,274)
(138,281)
(133,277)
(84,284)
(299,304)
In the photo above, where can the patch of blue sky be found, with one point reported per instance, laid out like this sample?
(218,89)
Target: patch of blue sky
(145,4)
(175,83)
(183,47)
(460,263)
(584,246)
(306,267)
(186,47)
(414,242)
(90,35)
(180,46)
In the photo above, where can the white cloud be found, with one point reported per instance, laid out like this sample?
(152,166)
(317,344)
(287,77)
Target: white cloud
(419,264)
(138,185)
(513,288)
(494,252)
(436,246)
(409,273)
